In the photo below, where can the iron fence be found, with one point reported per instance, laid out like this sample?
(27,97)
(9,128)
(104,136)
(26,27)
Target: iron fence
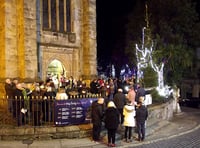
(32,111)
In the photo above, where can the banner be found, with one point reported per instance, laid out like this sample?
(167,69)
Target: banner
(73,111)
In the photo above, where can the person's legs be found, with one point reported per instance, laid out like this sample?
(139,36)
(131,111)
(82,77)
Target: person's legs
(109,136)
(113,135)
(10,104)
(121,115)
(99,132)
(139,131)
(130,133)
(125,133)
(143,131)
(96,132)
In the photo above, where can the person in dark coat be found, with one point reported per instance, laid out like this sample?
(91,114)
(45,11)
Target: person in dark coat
(140,92)
(36,106)
(47,106)
(19,104)
(141,117)
(94,86)
(97,113)
(111,122)
(9,94)
(120,100)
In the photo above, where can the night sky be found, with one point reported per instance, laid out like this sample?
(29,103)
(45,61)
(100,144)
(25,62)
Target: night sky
(111,21)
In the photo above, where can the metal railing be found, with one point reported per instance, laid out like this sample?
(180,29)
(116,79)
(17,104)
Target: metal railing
(32,111)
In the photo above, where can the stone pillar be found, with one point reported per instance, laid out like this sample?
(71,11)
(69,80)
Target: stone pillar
(11,33)
(2,47)
(2,38)
(89,40)
(20,38)
(30,38)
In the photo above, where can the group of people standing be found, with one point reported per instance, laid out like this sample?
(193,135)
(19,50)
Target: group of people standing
(32,101)
(125,111)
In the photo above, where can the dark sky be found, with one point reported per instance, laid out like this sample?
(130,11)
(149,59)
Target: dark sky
(111,21)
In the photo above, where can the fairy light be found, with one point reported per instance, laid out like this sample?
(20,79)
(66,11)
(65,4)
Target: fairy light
(144,58)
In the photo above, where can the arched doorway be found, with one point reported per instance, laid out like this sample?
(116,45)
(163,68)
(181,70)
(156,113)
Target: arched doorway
(56,68)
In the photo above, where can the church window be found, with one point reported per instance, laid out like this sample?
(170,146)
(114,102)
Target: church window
(56,15)
(45,14)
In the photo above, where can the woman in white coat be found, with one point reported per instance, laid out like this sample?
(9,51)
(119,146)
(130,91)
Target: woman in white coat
(129,120)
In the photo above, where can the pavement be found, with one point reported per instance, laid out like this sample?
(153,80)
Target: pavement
(182,123)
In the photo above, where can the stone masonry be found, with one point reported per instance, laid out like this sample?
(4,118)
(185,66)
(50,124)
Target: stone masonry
(27,49)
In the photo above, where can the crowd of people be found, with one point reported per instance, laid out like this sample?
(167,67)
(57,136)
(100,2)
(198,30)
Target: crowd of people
(125,111)
(116,107)
(29,99)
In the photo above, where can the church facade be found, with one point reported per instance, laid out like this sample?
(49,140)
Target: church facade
(44,37)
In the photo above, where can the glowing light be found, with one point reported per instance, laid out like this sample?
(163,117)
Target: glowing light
(113,71)
(144,58)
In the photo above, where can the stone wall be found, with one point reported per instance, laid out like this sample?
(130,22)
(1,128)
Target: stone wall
(163,111)
(27,49)
(30,38)
(45,133)
(157,113)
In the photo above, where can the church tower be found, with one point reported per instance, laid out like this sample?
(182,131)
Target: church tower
(41,37)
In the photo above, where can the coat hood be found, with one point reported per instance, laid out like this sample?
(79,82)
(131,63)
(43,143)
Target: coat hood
(129,108)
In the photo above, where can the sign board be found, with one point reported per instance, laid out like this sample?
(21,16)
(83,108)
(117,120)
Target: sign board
(73,111)
(148,99)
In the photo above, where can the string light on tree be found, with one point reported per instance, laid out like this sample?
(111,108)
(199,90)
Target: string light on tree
(144,59)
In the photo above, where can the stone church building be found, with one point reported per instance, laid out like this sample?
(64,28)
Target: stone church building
(43,37)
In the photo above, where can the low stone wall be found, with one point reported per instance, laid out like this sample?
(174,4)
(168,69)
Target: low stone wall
(157,113)
(46,133)
(163,111)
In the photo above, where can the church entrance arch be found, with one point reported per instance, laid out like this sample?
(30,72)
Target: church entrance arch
(56,68)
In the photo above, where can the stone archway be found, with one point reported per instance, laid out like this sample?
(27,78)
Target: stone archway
(56,68)
(64,59)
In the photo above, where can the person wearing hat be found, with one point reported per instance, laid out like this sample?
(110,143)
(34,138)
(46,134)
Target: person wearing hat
(111,122)
(141,117)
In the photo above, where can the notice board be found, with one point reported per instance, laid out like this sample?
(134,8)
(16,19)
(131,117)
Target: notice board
(72,111)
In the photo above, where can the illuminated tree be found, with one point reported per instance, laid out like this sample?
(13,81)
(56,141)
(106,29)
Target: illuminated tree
(175,31)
